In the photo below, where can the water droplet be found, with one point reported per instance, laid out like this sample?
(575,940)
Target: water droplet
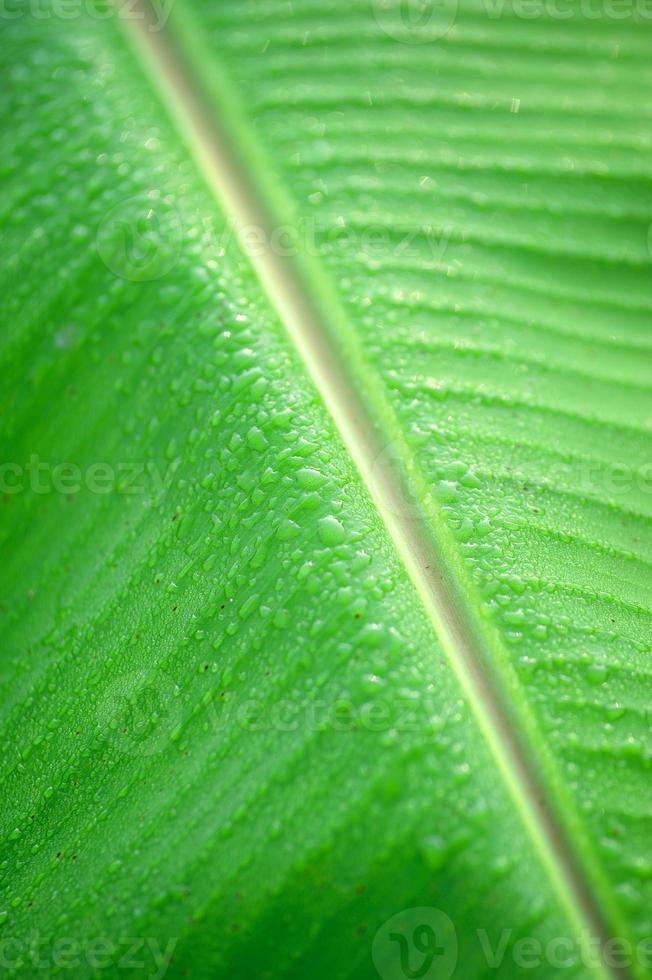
(331,531)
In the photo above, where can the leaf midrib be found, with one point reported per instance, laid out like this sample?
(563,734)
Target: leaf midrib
(234,168)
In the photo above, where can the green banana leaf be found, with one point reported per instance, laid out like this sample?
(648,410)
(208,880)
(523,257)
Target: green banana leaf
(325,489)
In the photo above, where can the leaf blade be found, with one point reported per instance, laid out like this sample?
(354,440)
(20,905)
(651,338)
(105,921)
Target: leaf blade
(245,959)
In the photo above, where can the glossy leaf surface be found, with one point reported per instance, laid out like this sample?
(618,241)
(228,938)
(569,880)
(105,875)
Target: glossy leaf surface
(270,680)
